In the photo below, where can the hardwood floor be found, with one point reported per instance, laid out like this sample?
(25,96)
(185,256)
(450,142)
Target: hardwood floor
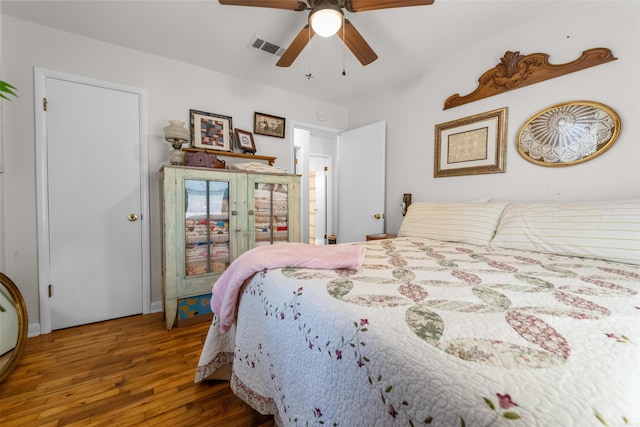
(122,372)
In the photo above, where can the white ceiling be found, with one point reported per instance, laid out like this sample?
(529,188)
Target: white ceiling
(204,33)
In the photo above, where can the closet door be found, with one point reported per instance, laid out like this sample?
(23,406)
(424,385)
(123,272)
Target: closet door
(94,206)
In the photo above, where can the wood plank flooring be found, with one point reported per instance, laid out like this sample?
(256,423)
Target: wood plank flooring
(122,372)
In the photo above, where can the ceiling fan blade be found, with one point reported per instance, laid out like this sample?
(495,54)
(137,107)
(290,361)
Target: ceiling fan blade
(296,46)
(364,5)
(357,44)
(275,4)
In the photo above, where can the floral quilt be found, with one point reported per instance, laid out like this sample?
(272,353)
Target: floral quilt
(442,334)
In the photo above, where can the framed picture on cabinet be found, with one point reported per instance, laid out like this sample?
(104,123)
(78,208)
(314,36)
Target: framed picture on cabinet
(211,131)
(471,145)
(266,124)
(245,142)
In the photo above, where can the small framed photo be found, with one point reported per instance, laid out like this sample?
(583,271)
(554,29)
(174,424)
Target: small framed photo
(211,131)
(265,124)
(471,145)
(245,142)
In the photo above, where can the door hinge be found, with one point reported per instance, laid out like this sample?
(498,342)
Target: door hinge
(50,290)
(326,168)
(44,104)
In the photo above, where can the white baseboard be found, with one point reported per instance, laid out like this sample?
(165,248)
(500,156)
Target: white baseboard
(156,306)
(34,328)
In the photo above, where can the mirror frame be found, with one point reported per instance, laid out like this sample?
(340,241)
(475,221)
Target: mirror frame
(23,325)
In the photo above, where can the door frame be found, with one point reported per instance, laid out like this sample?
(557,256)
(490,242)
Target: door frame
(42,200)
(301,166)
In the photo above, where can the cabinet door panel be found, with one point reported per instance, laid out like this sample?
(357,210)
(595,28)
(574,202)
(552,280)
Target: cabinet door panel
(207,244)
(271,216)
(272,208)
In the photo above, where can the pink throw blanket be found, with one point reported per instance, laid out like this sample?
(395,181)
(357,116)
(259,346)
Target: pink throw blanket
(227,288)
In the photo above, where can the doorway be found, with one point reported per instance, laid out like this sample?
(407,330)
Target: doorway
(92,198)
(315,152)
(355,180)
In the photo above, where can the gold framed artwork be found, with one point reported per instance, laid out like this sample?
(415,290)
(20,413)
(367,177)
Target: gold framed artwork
(211,131)
(568,133)
(472,145)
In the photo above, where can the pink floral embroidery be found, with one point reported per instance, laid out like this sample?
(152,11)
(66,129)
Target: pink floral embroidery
(364,322)
(505,402)
(392,411)
(622,338)
(339,354)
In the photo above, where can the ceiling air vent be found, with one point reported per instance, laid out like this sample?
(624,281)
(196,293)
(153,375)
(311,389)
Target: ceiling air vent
(259,43)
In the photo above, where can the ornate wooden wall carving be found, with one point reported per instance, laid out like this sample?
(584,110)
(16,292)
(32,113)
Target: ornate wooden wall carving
(515,71)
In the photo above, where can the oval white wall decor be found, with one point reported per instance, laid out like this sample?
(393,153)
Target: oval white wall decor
(569,133)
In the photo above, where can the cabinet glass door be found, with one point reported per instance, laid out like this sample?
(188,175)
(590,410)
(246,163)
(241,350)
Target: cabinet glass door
(271,216)
(206,226)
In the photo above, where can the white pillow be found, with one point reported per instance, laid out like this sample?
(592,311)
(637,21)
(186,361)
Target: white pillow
(605,230)
(467,222)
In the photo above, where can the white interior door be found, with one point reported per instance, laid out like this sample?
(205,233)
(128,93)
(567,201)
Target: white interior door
(361,182)
(94,203)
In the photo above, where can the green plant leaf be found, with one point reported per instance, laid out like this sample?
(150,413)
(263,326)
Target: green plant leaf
(489,403)
(601,419)
(511,416)
(8,88)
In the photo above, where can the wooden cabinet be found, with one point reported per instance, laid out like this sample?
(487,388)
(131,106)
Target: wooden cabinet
(211,216)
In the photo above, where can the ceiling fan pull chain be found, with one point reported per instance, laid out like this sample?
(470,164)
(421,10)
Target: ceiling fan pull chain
(344,50)
(309,76)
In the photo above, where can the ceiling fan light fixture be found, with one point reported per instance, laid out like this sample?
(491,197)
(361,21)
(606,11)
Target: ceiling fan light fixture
(326,20)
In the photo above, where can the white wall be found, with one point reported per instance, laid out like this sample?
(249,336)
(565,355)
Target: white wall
(410,111)
(173,88)
(414,108)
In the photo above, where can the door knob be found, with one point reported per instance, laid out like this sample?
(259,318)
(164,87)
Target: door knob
(133,217)
(377,216)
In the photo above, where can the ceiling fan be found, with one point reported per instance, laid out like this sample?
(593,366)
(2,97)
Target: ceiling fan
(326,19)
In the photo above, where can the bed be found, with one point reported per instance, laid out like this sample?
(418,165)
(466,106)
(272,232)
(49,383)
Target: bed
(477,314)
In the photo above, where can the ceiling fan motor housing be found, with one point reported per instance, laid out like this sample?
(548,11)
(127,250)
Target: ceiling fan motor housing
(326,18)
